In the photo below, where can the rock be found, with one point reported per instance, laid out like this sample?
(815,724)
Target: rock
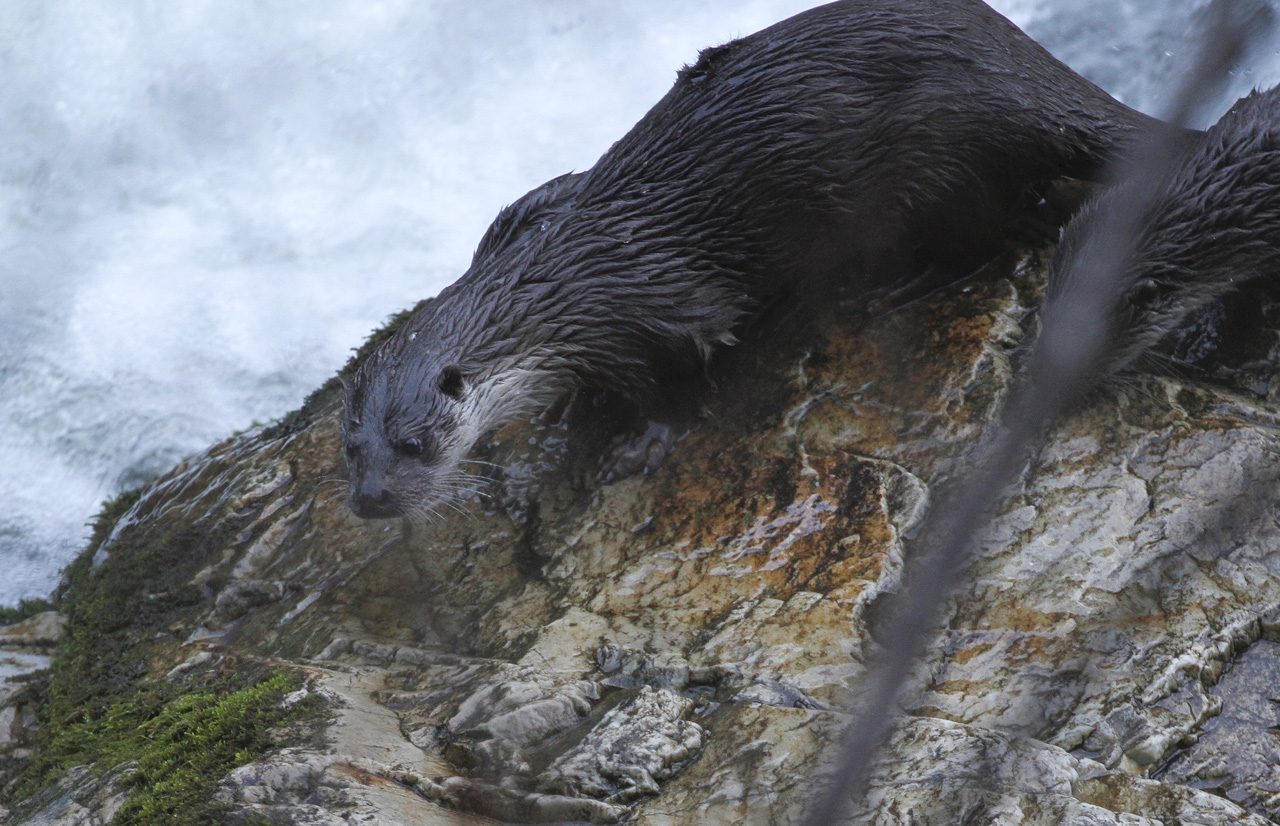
(944,772)
(25,654)
(81,799)
(637,745)
(43,630)
(1230,757)
(681,648)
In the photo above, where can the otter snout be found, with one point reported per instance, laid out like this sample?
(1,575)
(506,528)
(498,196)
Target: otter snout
(372,500)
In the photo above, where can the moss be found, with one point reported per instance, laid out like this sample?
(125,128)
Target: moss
(104,705)
(115,610)
(194,742)
(23,610)
(180,745)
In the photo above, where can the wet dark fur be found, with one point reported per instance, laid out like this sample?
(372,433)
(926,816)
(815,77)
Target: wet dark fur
(867,138)
(1214,224)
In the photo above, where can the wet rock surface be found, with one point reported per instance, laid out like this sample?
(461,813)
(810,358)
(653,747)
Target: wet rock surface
(1238,753)
(26,650)
(82,798)
(679,647)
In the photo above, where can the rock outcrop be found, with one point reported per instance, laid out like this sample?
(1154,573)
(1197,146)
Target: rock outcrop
(679,648)
(25,651)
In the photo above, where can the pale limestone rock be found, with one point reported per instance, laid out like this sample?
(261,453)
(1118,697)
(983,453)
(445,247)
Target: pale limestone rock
(942,772)
(637,745)
(351,779)
(17,716)
(43,630)
(1231,754)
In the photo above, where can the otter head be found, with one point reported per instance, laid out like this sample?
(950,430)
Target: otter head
(405,430)
(465,363)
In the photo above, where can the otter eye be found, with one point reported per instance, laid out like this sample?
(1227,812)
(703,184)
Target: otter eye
(410,447)
(450,381)
(350,449)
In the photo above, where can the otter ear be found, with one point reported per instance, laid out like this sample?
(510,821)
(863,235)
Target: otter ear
(450,381)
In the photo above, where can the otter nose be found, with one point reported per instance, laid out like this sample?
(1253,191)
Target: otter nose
(373,502)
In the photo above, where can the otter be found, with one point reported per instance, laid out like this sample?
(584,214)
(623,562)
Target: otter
(1213,225)
(863,139)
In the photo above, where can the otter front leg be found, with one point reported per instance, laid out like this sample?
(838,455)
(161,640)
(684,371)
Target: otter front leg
(616,437)
(632,453)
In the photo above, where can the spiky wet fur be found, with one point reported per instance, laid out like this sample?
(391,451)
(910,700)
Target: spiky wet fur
(864,138)
(1214,224)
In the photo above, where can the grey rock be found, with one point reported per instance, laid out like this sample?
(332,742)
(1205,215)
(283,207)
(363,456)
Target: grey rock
(43,630)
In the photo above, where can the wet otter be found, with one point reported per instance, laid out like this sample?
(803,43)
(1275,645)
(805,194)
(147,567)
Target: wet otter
(1214,224)
(866,138)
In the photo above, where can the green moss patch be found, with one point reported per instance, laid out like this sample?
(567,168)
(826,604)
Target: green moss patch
(23,610)
(109,704)
(180,746)
(194,742)
(115,612)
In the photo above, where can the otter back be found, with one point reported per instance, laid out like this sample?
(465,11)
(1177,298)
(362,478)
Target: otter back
(861,140)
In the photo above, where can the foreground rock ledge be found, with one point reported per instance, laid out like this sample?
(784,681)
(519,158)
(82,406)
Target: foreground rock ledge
(677,649)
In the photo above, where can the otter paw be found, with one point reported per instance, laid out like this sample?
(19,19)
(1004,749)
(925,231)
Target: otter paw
(633,453)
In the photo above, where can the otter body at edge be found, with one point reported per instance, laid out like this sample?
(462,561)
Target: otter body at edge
(1214,225)
(862,139)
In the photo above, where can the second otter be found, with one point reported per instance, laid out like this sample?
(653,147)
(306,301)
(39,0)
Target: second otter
(1214,224)
(865,137)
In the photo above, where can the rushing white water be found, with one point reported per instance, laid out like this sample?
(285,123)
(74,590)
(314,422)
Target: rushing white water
(205,205)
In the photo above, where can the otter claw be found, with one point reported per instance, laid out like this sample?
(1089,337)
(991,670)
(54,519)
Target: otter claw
(637,453)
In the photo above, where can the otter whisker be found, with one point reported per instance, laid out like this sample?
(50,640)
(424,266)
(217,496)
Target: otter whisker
(463,484)
(460,484)
(480,462)
(419,517)
(452,505)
